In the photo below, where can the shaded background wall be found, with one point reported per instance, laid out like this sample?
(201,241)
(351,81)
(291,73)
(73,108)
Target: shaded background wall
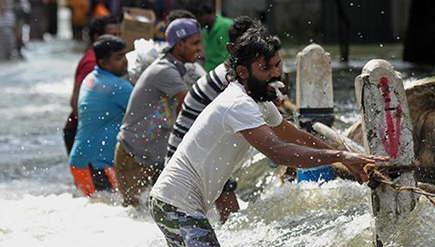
(407,23)
(370,21)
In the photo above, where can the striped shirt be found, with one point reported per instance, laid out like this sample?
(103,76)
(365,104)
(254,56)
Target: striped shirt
(202,93)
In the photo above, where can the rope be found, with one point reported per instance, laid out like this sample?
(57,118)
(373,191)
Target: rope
(377,175)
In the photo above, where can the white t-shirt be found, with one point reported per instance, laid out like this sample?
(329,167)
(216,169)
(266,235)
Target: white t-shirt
(194,177)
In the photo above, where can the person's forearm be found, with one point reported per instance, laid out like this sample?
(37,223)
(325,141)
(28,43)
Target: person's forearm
(74,99)
(265,140)
(293,155)
(310,140)
(290,134)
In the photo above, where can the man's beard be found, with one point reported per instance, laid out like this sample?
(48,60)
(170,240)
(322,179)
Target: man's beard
(259,91)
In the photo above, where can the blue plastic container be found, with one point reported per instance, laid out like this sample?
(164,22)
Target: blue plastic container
(323,173)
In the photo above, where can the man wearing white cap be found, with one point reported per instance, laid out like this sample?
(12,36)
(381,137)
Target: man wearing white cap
(154,103)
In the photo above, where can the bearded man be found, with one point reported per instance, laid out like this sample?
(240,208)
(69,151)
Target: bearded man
(241,116)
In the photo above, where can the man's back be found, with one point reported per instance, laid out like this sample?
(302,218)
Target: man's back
(102,103)
(150,112)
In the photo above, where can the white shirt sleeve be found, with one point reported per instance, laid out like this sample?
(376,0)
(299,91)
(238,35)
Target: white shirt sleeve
(243,115)
(270,113)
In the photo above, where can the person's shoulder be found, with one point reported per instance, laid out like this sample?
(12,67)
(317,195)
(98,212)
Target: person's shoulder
(236,93)
(89,53)
(122,86)
(159,71)
(154,69)
(219,76)
(161,64)
(225,21)
(164,70)
(121,82)
(168,66)
(221,70)
(88,58)
(238,104)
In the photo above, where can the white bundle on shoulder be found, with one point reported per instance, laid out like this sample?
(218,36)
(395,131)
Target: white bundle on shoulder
(144,53)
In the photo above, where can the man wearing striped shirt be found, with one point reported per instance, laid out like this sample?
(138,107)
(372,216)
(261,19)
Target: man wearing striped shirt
(203,92)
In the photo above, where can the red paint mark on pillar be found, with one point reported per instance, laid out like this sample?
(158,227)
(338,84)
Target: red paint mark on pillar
(391,139)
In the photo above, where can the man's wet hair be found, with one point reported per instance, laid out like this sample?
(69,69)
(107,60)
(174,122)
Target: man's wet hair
(201,7)
(255,43)
(106,45)
(179,13)
(98,25)
(240,25)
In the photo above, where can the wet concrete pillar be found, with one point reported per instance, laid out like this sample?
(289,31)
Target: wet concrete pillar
(314,98)
(314,91)
(387,131)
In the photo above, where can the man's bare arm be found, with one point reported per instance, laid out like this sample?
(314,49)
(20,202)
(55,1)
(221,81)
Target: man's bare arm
(265,140)
(290,134)
(75,99)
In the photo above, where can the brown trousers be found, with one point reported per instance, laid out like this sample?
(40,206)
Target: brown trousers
(132,177)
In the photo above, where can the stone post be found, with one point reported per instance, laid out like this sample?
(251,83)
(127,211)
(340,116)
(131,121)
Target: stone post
(314,97)
(387,131)
(314,91)
(314,79)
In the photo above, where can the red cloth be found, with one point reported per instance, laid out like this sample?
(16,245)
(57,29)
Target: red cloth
(86,66)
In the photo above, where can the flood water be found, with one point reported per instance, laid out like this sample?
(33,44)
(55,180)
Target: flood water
(40,206)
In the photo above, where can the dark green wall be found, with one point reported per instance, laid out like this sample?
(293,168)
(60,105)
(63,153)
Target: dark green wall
(369,21)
